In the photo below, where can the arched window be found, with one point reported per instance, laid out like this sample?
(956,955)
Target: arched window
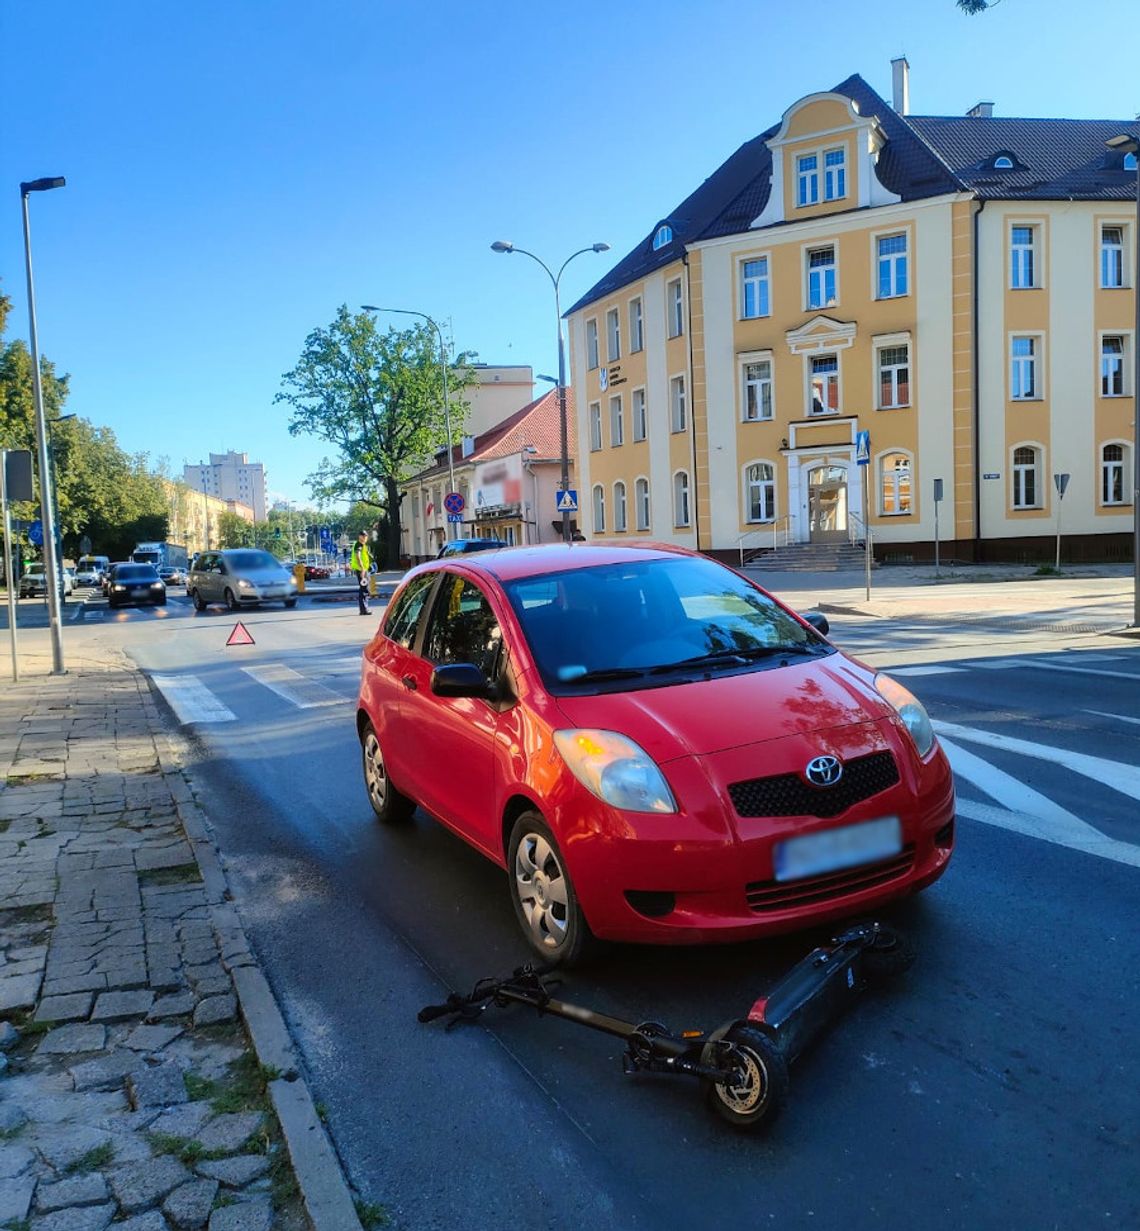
(895,488)
(1130,162)
(620,520)
(599,509)
(1026,480)
(1113,475)
(641,503)
(662,236)
(760,492)
(680,499)
(1003,162)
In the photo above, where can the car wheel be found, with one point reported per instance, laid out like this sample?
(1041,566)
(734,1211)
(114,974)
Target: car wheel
(543,894)
(760,1085)
(388,803)
(290,602)
(231,600)
(888,955)
(199,601)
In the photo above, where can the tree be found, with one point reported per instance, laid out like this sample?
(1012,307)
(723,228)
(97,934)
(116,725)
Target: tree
(976,6)
(377,397)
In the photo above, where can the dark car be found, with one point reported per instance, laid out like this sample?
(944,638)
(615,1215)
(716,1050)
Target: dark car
(460,547)
(135,583)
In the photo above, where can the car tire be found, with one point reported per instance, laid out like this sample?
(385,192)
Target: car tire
(199,601)
(763,1086)
(230,600)
(290,602)
(389,804)
(545,902)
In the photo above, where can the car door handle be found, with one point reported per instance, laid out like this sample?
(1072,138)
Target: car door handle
(409,683)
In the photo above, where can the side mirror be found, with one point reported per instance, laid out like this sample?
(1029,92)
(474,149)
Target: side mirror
(818,621)
(460,680)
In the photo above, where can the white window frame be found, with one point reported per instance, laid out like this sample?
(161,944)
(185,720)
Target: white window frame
(1121,467)
(760,284)
(595,416)
(613,335)
(885,342)
(894,262)
(641,503)
(617,422)
(807,180)
(835,174)
(1037,362)
(678,402)
(1121,255)
(682,501)
(662,236)
(621,519)
(675,307)
(808,250)
(809,385)
(1017,471)
(767,488)
(745,362)
(1020,277)
(1124,365)
(639,415)
(636,325)
(882,474)
(593,357)
(598,508)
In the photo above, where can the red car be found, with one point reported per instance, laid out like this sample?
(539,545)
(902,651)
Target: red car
(316,572)
(654,748)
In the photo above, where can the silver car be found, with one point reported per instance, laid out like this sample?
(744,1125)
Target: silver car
(34,582)
(240,577)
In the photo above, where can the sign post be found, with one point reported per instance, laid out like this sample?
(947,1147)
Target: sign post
(15,484)
(1060,482)
(863,458)
(937,502)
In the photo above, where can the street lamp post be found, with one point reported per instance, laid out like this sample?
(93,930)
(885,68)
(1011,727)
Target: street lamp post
(367,307)
(47,515)
(501,245)
(1129,143)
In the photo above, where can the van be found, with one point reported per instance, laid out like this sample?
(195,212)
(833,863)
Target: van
(91,570)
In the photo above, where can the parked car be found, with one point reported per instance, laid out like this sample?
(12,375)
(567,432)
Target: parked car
(655,748)
(460,547)
(240,577)
(34,582)
(135,583)
(316,572)
(172,576)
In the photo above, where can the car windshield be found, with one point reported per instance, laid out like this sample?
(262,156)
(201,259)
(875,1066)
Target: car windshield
(135,572)
(251,560)
(652,622)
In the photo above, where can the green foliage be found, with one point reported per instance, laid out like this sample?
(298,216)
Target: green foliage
(976,6)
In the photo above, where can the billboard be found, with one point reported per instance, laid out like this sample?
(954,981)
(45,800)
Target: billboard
(498,482)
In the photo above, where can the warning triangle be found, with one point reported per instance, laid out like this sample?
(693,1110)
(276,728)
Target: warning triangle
(240,635)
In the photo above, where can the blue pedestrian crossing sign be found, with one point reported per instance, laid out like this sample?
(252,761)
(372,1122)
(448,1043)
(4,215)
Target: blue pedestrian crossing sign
(36,533)
(566,501)
(862,448)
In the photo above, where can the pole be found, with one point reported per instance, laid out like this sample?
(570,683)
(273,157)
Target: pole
(1136,406)
(866,533)
(563,433)
(47,514)
(1057,564)
(9,578)
(936,561)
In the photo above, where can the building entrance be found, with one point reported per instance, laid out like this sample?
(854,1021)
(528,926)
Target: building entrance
(827,504)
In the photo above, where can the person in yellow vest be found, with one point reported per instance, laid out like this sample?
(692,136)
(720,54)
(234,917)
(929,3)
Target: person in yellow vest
(361,564)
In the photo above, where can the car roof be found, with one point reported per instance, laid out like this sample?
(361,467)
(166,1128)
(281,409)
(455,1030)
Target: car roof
(554,558)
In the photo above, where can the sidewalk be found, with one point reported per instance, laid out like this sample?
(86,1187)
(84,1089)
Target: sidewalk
(129,1088)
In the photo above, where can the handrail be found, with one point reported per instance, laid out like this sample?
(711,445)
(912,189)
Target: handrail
(774,526)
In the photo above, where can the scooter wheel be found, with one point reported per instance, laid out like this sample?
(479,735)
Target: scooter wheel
(889,954)
(760,1086)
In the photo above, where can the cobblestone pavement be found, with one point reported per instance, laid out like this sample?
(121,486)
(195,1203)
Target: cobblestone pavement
(128,1088)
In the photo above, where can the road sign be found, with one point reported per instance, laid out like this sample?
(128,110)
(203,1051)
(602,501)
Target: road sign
(453,502)
(36,533)
(863,448)
(566,501)
(455,517)
(18,473)
(1061,481)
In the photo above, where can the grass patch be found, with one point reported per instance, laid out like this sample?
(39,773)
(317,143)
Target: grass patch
(93,1160)
(370,1214)
(283,1187)
(4,826)
(184,874)
(18,1224)
(24,779)
(185,1149)
(244,1088)
(1047,570)
(16,915)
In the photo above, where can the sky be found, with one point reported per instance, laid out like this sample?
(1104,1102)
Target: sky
(237,170)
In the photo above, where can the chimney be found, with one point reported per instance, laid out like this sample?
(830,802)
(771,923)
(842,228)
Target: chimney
(901,82)
(981,111)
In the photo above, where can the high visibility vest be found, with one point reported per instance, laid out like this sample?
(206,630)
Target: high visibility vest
(361,560)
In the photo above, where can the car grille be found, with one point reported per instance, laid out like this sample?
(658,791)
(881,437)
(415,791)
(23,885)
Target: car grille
(790,795)
(788,895)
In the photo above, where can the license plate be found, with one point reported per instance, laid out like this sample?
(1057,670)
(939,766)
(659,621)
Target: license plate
(139,591)
(832,850)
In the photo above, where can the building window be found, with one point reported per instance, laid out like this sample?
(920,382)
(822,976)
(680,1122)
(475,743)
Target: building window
(754,288)
(613,335)
(1023,369)
(1025,478)
(1003,163)
(821,277)
(641,500)
(677,412)
(599,509)
(760,493)
(1112,257)
(637,397)
(1112,485)
(636,327)
(1130,162)
(675,308)
(834,174)
(620,522)
(595,426)
(824,385)
(892,266)
(591,344)
(807,174)
(757,391)
(1023,266)
(662,236)
(894,377)
(680,499)
(894,485)
(1112,367)
(617,423)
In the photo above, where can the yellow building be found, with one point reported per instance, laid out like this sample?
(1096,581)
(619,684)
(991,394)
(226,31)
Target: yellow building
(950,297)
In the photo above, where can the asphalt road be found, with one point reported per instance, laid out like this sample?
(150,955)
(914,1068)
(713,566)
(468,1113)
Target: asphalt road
(996,1085)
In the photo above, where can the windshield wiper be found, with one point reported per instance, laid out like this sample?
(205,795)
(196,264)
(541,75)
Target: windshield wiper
(606,673)
(740,657)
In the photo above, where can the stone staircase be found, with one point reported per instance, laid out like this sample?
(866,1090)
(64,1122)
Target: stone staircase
(809,558)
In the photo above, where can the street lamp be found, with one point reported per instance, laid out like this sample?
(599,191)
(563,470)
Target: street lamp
(47,515)
(501,245)
(1129,143)
(367,307)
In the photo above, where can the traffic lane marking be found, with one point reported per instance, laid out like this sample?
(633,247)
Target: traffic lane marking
(191,700)
(1114,717)
(1031,664)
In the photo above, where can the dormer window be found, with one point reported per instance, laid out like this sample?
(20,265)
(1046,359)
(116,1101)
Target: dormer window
(662,236)
(1003,162)
(1130,162)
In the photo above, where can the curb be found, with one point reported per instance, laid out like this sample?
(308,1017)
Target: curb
(324,1189)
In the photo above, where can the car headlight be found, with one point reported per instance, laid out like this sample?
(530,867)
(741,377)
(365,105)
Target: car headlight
(910,709)
(118,587)
(245,585)
(156,585)
(616,770)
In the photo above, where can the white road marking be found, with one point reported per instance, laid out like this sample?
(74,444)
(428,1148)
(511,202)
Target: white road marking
(352,663)
(920,670)
(1117,717)
(191,700)
(1007,664)
(293,687)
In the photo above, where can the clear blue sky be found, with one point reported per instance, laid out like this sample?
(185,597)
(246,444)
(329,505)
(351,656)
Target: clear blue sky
(237,170)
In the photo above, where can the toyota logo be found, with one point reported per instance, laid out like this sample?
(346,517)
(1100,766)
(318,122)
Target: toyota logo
(824,771)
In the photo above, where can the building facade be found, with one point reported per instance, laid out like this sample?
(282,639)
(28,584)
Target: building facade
(950,298)
(231,476)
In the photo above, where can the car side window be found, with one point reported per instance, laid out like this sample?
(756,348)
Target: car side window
(404,614)
(463,628)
